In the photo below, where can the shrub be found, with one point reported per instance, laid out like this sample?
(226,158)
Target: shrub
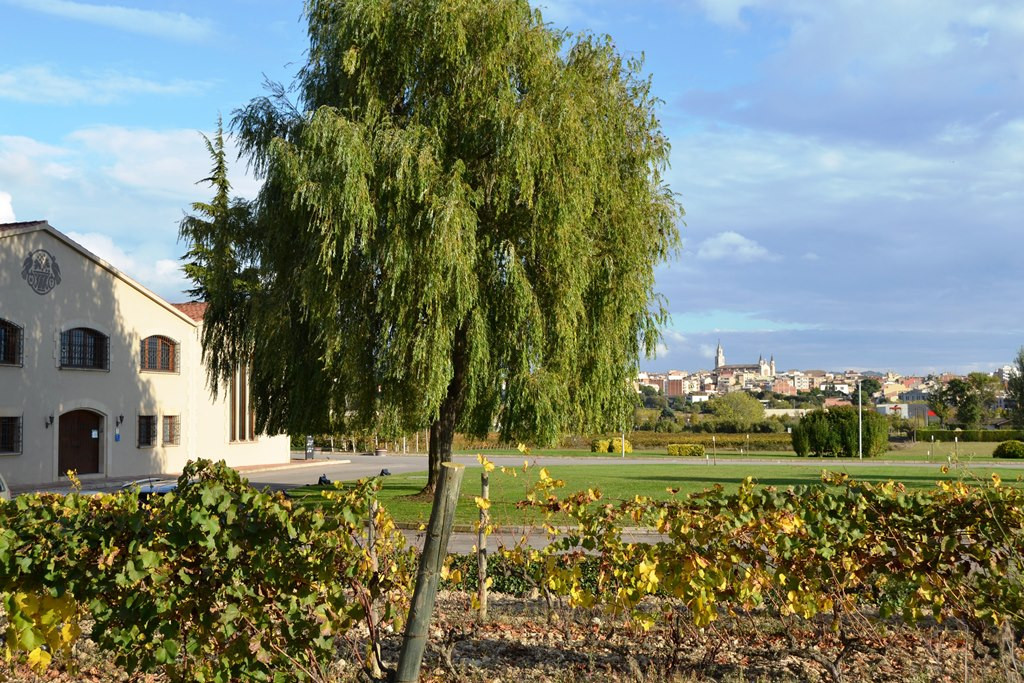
(686,449)
(836,431)
(613,445)
(1009,449)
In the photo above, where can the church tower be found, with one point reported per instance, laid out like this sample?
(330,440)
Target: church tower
(719,356)
(771,365)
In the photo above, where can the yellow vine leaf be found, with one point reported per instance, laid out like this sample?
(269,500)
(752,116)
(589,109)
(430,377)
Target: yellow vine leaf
(39,659)
(482,503)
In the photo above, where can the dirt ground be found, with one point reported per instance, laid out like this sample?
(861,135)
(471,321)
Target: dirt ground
(525,642)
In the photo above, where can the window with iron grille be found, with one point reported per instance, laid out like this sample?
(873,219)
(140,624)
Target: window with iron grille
(147,431)
(84,348)
(243,417)
(11,341)
(159,354)
(172,430)
(10,435)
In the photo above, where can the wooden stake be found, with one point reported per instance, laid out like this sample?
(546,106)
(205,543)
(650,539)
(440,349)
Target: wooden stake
(481,549)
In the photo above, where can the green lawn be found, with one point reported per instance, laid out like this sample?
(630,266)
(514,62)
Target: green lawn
(618,482)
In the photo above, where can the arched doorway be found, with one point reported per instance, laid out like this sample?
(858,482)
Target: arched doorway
(81,432)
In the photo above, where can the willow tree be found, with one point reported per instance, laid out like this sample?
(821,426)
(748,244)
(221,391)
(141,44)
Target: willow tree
(460,218)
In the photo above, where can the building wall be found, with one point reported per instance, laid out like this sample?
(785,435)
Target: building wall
(95,296)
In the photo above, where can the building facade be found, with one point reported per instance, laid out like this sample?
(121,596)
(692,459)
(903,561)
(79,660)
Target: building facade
(101,376)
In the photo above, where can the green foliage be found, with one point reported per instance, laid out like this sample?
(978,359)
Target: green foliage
(970,435)
(801,440)
(1009,449)
(458,225)
(837,432)
(214,582)
(868,387)
(973,398)
(1015,390)
(739,410)
(687,449)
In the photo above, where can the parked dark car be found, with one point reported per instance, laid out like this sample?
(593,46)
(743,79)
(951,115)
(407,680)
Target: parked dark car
(152,487)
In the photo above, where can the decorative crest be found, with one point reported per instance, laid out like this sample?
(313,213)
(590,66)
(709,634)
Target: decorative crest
(40,271)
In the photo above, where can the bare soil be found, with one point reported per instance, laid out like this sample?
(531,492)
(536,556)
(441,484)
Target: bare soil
(525,641)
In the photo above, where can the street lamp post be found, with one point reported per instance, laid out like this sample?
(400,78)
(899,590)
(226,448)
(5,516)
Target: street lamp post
(860,422)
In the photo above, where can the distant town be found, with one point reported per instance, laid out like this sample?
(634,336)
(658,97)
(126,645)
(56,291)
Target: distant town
(923,400)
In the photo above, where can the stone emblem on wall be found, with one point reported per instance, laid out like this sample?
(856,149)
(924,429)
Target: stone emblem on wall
(41,271)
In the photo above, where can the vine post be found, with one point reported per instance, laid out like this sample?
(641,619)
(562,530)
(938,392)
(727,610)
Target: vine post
(374,658)
(435,546)
(481,545)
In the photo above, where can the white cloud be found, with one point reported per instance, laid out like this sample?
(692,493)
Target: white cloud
(6,209)
(166,163)
(24,160)
(104,247)
(41,85)
(172,25)
(732,246)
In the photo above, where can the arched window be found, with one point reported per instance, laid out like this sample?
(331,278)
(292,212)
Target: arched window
(159,354)
(84,348)
(11,341)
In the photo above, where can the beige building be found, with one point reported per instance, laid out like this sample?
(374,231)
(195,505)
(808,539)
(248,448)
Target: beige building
(101,376)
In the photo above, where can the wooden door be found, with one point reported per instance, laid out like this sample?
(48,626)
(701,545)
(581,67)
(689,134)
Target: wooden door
(79,442)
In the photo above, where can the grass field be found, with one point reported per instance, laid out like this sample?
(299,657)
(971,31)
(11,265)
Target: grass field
(619,482)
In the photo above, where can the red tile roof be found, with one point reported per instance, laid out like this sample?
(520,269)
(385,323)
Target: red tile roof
(193,309)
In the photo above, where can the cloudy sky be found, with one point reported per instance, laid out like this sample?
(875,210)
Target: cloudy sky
(852,172)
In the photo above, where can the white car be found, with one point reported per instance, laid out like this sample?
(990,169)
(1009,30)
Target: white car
(5,493)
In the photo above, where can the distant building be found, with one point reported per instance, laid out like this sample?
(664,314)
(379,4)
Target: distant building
(763,368)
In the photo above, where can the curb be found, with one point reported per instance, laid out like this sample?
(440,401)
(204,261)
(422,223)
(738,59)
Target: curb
(301,464)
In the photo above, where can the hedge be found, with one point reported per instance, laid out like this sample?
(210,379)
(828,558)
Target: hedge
(755,442)
(686,449)
(970,435)
(643,440)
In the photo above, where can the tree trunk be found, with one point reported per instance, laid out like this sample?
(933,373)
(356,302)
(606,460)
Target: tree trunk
(442,430)
(435,549)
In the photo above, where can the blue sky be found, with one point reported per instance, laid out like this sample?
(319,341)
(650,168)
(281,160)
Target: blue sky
(852,172)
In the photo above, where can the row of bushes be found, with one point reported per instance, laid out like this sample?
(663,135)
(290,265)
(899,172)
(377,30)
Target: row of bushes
(970,435)
(687,449)
(752,442)
(711,425)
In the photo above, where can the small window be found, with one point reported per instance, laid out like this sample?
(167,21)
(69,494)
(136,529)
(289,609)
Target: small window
(147,431)
(84,348)
(10,435)
(159,354)
(172,430)
(11,337)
